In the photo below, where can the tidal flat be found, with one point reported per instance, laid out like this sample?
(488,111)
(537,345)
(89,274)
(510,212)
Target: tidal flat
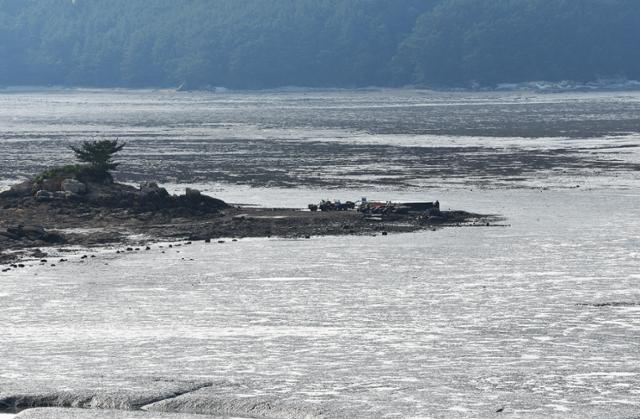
(540,318)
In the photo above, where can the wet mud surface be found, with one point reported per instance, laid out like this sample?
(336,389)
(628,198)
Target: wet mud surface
(291,163)
(407,139)
(539,319)
(454,323)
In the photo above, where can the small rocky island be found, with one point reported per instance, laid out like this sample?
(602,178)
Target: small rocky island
(81,205)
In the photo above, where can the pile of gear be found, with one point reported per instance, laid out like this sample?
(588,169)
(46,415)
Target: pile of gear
(379,207)
(337,205)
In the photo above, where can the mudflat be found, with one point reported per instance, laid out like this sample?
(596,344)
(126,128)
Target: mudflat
(121,214)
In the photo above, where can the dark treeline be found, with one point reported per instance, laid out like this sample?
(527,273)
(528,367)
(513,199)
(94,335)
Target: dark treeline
(315,43)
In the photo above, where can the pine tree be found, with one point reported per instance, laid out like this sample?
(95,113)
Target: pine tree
(99,155)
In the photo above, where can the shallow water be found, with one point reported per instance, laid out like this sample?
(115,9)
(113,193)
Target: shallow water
(539,317)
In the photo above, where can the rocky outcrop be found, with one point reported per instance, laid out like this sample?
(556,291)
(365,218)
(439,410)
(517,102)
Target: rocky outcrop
(147,198)
(32,233)
(74,413)
(123,395)
(19,190)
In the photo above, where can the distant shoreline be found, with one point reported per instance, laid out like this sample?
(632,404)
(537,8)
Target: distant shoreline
(566,86)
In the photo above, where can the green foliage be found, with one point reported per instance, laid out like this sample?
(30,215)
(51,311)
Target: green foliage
(71,171)
(98,154)
(315,43)
(81,172)
(97,157)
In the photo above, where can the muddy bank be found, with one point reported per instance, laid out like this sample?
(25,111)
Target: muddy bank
(96,215)
(157,398)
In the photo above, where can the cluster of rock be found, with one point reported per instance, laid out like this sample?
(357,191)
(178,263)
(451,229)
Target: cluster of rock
(68,189)
(47,190)
(148,197)
(151,197)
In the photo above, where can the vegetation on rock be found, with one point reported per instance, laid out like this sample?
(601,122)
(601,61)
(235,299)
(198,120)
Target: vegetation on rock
(61,172)
(97,163)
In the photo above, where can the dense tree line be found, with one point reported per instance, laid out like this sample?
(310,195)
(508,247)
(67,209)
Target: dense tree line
(317,43)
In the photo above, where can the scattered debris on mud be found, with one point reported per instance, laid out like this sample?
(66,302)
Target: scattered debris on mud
(610,304)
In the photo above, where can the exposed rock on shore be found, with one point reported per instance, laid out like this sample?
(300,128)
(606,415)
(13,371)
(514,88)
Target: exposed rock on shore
(148,197)
(35,233)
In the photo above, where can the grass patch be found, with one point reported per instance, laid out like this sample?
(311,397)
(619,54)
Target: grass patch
(70,171)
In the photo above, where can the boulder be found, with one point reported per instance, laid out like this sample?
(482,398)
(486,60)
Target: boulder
(20,190)
(73,186)
(151,197)
(67,195)
(50,185)
(44,196)
(32,233)
(151,189)
(199,203)
(193,193)
(148,186)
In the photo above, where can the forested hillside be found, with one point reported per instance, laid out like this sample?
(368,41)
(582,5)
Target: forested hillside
(315,43)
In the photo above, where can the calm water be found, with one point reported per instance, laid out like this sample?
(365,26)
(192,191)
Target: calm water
(541,317)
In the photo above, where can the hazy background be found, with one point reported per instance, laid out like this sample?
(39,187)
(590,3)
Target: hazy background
(316,43)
